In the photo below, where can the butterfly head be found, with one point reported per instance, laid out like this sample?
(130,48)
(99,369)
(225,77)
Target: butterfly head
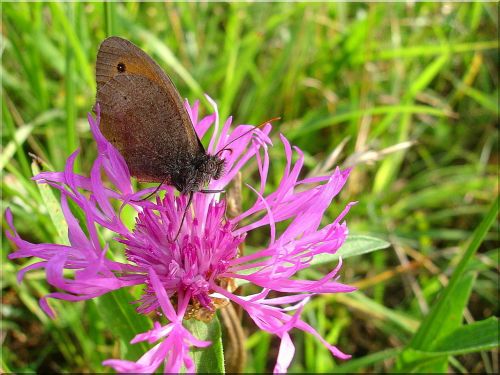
(215,166)
(195,175)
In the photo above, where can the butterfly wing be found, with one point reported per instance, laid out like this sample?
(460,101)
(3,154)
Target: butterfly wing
(142,114)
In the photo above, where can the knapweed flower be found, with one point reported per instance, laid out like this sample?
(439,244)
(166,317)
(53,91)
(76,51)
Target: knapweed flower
(193,275)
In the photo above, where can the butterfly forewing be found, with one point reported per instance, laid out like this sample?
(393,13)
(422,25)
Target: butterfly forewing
(141,112)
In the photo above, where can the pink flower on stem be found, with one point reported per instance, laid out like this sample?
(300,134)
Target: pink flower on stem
(195,271)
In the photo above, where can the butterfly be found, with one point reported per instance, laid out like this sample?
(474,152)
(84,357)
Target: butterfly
(143,116)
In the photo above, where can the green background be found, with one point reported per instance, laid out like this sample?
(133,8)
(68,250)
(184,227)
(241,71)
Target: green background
(405,93)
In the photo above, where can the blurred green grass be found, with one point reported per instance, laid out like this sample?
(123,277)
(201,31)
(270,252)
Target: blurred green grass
(409,90)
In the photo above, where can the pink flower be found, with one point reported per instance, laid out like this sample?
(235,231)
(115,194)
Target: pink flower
(196,269)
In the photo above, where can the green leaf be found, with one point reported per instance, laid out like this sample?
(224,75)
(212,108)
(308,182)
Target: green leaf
(440,312)
(357,365)
(416,361)
(446,314)
(489,103)
(471,338)
(70,33)
(455,305)
(427,75)
(353,246)
(359,301)
(53,208)
(448,321)
(22,133)
(474,337)
(426,50)
(211,358)
(124,322)
(325,121)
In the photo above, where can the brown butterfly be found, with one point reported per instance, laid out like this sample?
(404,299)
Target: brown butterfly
(143,116)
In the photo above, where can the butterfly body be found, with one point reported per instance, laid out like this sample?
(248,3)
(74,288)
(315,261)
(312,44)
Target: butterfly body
(143,116)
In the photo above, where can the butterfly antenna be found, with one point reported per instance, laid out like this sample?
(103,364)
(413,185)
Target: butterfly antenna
(150,195)
(183,216)
(248,131)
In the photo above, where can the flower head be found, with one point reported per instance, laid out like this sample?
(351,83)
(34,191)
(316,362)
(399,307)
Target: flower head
(193,275)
